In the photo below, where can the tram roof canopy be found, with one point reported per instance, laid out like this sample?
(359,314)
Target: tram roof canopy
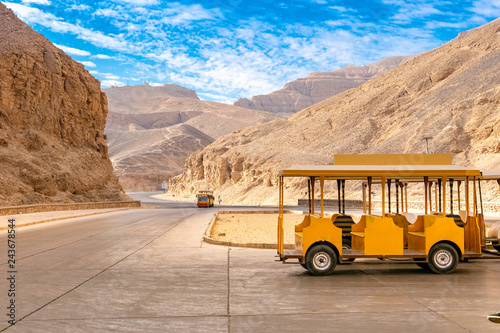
(491,175)
(389,171)
(385,165)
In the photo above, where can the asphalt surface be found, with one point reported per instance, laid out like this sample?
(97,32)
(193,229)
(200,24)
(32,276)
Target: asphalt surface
(147,270)
(146,198)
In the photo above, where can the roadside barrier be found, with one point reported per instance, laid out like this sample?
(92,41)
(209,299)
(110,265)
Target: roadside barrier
(26,209)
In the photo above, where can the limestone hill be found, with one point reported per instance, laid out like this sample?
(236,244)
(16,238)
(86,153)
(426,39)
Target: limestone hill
(318,86)
(152,130)
(52,118)
(451,93)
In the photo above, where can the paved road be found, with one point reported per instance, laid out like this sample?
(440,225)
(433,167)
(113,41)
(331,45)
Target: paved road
(146,198)
(148,271)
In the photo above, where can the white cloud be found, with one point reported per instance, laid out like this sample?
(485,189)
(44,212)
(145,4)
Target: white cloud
(110,76)
(216,98)
(72,51)
(193,46)
(88,63)
(432,25)
(486,8)
(178,14)
(36,16)
(140,2)
(103,56)
(79,7)
(23,11)
(118,13)
(342,9)
(38,2)
(111,83)
(409,12)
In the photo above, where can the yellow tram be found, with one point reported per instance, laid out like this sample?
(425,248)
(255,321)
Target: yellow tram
(437,240)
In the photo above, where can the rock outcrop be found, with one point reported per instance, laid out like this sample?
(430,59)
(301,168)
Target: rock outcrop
(52,118)
(318,86)
(152,130)
(451,93)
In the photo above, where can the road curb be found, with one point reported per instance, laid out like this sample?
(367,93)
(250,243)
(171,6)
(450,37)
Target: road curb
(209,240)
(62,218)
(42,208)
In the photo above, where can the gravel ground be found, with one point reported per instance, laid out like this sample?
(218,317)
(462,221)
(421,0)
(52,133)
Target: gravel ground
(253,228)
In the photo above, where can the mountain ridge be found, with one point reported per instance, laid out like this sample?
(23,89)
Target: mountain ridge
(318,86)
(450,93)
(152,130)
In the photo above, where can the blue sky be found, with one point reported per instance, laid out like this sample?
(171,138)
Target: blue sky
(226,49)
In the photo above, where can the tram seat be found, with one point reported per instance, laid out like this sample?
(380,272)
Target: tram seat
(402,222)
(457,219)
(304,224)
(410,217)
(377,236)
(430,229)
(343,222)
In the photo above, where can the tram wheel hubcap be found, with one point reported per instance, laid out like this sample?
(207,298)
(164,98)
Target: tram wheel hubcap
(443,259)
(321,260)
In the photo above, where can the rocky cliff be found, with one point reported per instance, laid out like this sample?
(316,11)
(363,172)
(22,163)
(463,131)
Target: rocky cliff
(451,93)
(152,130)
(52,118)
(318,86)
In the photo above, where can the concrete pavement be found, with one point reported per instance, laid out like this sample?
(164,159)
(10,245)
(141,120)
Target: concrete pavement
(23,220)
(148,271)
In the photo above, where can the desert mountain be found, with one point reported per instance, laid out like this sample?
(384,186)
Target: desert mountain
(318,86)
(152,130)
(451,93)
(52,118)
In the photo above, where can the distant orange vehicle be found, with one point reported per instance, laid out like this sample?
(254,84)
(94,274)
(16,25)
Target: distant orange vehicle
(205,199)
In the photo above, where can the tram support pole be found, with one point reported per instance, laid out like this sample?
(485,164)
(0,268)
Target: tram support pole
(444,196)
(383,196)
(369,195)
(406,197)
(338,194)
(389,183)
(397,196)
(364,197)
(426,208)
(467,201)
(343,196)
(322,185)
(451,196)
(430,196)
